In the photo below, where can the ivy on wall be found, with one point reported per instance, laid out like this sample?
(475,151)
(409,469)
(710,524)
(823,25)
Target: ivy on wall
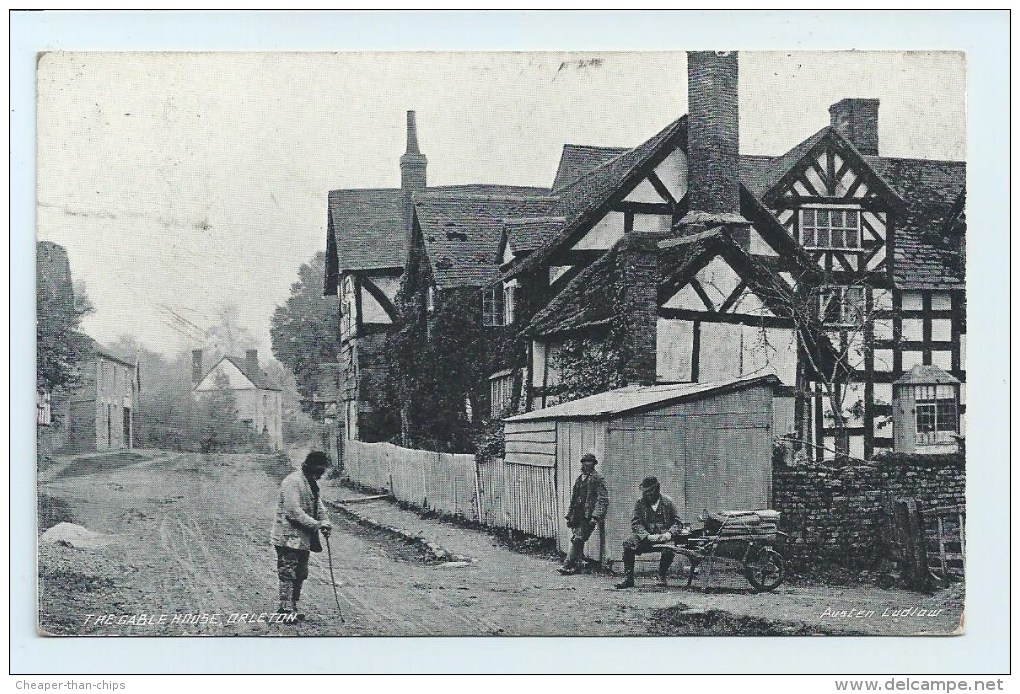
(587,365)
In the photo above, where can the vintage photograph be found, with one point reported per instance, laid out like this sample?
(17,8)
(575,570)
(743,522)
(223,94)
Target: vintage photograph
(501,344)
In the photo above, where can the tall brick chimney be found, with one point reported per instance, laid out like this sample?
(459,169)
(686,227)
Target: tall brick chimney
(412,167)
(857,121)
(713,135)
(251,361)
(713,146)
(638,270)
(196,366)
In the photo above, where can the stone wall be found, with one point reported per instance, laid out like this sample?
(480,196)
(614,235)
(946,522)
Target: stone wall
(837,515)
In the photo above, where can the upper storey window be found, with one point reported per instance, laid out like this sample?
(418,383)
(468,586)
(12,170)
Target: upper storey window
(492,306)
(830,227)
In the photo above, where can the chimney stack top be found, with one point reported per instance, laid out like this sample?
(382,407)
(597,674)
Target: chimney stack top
(856,119)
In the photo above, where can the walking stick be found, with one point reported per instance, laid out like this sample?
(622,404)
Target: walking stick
(336,596)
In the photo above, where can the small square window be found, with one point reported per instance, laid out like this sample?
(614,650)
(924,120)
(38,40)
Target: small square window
(935,415)
(840,305)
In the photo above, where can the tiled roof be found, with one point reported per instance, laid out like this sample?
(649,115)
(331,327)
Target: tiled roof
(754,172)
(367,224)
(930,189)
(585,302)
(527,234)
(577,160)
(258,377)
(462,232)
(91,346)
(637,398)
(580,201)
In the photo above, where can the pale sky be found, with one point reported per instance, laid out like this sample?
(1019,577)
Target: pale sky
(194,180)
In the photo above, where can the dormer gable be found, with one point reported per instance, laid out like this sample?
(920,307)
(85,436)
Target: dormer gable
(827,167)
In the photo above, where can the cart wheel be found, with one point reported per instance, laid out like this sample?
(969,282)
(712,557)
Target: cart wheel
(765,569)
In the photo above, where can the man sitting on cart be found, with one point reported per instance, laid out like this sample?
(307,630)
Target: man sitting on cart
(655,522)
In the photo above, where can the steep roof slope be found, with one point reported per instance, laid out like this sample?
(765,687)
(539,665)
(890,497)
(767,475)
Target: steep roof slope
(578,160)
(462,232)
(365,226)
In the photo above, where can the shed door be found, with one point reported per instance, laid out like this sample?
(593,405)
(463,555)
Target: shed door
(635,450)
(729,467)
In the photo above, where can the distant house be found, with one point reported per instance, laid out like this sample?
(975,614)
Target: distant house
(99,410)
(259,400)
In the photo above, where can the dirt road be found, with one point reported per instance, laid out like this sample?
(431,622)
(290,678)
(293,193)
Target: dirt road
(190,555)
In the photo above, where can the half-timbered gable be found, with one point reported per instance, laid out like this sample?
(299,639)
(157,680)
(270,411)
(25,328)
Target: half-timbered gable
(642,189)
(834,204)
(876,227)
(716,313)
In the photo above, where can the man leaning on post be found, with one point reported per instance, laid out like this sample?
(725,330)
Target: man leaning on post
(300,515)
(655,521)
(589,501)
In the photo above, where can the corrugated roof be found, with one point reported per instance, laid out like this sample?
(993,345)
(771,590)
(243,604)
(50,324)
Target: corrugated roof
(635,398)
(578,160)
(926,374)
(462,232)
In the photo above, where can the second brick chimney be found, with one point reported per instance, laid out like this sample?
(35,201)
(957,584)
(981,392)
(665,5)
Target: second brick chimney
(857,121)
(196,366)
(412,167)
(251,361)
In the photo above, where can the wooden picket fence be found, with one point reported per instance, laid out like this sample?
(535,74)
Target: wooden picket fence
(444,482)
(492,492)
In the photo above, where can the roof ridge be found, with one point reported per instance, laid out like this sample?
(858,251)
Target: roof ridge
(930,161)
(535,219)
(602,147)
(451,195)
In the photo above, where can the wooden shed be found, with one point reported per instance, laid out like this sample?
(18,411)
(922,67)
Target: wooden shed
(710,445)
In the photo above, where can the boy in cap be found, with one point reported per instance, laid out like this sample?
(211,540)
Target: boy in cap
(589,501)
(655,521)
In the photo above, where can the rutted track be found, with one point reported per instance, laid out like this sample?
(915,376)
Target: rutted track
(192,538)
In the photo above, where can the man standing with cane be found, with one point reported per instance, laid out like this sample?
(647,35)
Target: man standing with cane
(589,501)
(300,515)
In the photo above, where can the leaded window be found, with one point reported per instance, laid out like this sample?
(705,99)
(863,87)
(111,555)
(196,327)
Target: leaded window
(830,227)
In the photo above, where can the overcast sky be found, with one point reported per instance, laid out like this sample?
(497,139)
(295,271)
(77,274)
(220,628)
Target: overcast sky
(194,180)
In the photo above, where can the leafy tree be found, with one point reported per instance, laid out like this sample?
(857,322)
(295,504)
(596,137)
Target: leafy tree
(59,312)
(305,331)
(218,426)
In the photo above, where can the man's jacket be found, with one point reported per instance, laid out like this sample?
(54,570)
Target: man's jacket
(647,521)
(297,515)
(588,499)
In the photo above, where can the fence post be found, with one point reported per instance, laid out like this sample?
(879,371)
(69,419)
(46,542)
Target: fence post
(910,528)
